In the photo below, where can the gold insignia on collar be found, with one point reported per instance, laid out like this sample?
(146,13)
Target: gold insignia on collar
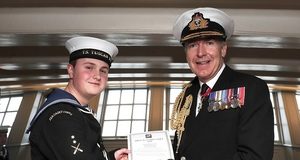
(198,22)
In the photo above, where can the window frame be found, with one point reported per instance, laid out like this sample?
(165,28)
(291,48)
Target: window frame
(120,104)
(6,111)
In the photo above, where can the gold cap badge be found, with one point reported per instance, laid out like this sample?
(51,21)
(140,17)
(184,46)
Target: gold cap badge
(198,22)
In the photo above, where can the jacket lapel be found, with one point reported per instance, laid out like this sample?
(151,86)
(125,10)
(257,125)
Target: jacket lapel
(225,80)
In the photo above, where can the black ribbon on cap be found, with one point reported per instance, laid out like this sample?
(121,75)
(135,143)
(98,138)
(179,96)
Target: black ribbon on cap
(200,27)
(91,53)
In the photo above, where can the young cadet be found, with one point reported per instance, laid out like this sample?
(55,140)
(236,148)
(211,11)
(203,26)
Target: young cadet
(221,114)
(64,127)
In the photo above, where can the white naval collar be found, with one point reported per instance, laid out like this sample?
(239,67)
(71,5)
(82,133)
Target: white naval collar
(213,81)
(210,84)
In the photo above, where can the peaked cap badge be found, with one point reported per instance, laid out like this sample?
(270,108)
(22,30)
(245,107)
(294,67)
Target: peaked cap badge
(198,22)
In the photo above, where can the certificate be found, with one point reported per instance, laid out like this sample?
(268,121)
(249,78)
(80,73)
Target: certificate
(153,145)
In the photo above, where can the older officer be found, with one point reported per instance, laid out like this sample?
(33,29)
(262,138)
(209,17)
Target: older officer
(64,127)
(221,114)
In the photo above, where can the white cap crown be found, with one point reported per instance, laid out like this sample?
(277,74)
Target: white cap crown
(213,22)
(90,47)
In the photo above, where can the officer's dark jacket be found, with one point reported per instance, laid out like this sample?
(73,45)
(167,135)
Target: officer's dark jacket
(244,133)
(62,129)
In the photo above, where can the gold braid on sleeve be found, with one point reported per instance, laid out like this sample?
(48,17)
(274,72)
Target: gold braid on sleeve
(179,113)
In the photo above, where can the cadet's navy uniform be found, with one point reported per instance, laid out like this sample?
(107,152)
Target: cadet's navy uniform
(241,133)
(62,129)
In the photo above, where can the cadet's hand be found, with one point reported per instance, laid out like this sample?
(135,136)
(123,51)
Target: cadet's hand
(122,154)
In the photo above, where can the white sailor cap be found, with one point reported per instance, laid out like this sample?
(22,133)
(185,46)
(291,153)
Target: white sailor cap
(90,47)
(202,23)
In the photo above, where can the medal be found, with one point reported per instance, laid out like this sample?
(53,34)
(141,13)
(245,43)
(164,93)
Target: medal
(223,105)
(216,106)
(212,101)
(226,106)
(218,101)
(241,93)
(225,99)
(210,108)
(234,103)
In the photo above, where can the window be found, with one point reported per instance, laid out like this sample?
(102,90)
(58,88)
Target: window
(172,94)
(9,107)
(276,124)
(126,111)
(298,101)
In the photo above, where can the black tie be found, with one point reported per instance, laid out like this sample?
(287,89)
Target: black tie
(204,88)
(204,96)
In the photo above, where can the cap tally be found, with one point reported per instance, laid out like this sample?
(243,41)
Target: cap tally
(201,23)
(90,47)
